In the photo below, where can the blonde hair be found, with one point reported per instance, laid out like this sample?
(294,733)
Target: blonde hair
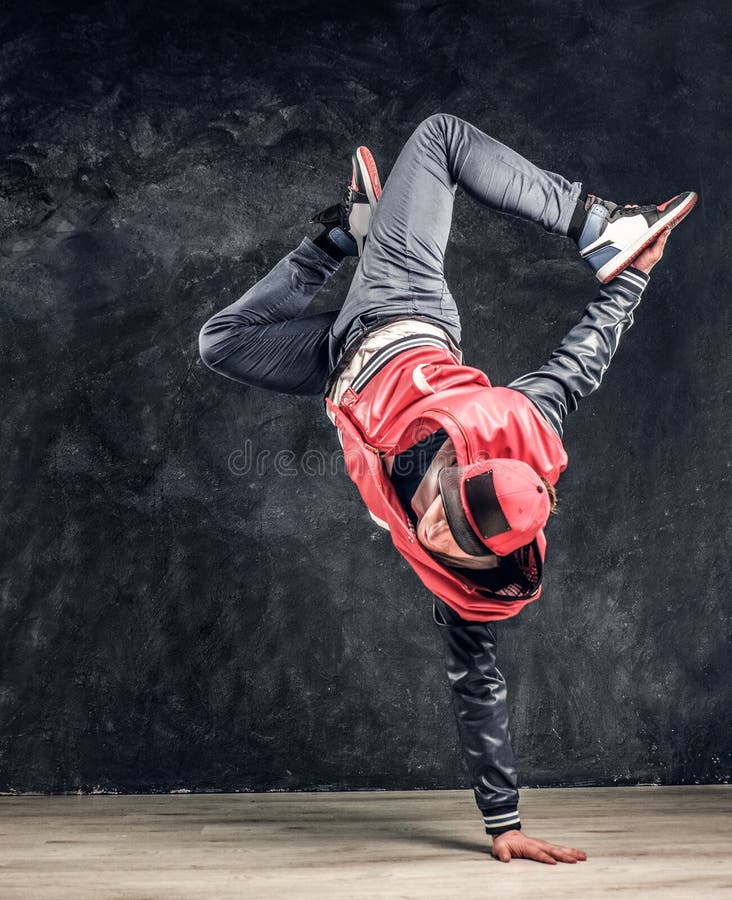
(552,491)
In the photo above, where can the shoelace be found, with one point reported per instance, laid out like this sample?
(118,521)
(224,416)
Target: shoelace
(338,212)
(345,204)
(634,210)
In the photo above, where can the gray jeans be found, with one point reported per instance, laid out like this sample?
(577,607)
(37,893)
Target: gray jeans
(267,339)
(402,268)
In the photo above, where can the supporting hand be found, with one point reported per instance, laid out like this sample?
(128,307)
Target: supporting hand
(517,845)
(653,252)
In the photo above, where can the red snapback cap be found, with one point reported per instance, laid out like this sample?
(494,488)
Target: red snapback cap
(494,505)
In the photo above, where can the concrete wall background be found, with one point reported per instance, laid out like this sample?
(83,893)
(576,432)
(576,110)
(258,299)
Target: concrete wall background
(166,623)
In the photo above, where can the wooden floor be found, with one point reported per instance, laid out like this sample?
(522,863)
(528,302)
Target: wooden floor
(642,842)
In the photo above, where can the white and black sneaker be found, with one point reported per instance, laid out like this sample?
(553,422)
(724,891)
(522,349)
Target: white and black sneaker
(612,236)
(347,223)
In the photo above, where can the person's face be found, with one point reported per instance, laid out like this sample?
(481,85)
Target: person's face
(434,534)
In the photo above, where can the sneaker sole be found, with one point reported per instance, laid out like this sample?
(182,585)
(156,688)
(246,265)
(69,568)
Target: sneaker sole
(369,174)
(624,259)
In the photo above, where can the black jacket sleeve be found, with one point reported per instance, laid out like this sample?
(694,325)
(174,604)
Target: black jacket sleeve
(575,369)
(479,702)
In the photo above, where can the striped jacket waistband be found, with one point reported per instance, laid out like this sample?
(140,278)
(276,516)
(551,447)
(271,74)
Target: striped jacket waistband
(387,353)
(380,346)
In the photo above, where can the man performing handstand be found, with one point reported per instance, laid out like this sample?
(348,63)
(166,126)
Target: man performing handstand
(460,472)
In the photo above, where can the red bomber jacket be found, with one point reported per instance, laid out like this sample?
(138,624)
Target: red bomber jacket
(420,390)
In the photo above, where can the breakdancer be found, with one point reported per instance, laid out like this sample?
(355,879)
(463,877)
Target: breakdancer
(462,473)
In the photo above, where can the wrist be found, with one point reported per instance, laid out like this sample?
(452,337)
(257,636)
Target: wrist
(508,832)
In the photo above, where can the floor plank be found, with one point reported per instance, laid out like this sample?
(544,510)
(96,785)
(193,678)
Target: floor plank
(642,842)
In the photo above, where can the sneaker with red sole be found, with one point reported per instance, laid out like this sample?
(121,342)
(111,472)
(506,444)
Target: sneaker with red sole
(348,221)
(613,236)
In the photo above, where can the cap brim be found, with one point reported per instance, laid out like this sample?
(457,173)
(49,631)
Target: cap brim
(449,481)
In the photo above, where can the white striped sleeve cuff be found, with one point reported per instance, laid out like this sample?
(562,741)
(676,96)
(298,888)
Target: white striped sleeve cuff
(631,279)
(496,823)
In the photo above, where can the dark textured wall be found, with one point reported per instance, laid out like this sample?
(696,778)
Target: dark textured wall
(166,623)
